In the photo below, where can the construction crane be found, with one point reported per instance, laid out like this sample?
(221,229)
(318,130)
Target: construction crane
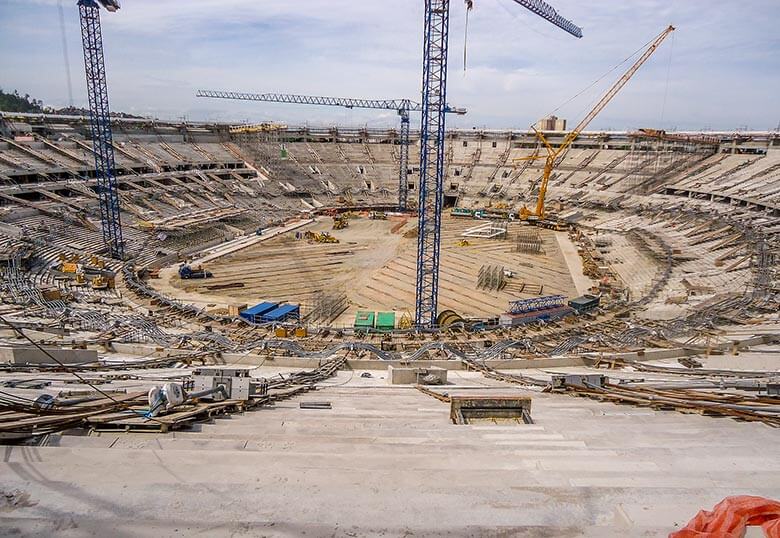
(431,192)
(402,106)
(554,154)
(100,122)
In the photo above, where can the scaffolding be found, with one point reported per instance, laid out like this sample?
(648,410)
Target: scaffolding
(488,230)
(491,277)
(326,306)
(528,242)
(534,304)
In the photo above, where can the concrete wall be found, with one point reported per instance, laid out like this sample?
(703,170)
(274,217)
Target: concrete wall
(32,355)
(397,375)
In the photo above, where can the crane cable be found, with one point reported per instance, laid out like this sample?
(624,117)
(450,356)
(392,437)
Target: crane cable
(72,371)
(666,88)
(602,77)
(469,7)
(65,52)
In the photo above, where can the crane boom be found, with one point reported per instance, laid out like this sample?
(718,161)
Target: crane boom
(346,102)
(553,154)
(402,106)
(604,101)
(387,104)
(548,12)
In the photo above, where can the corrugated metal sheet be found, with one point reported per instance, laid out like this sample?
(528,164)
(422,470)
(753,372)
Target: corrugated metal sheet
(255,313)
(385,320)
(585,302)
(283,313)
(364,320)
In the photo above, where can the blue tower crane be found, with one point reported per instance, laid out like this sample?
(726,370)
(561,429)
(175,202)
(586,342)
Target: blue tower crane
(430,193)
(402,106)
(100,122)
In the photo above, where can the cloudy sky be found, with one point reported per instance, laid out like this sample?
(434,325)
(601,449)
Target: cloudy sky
(719,70)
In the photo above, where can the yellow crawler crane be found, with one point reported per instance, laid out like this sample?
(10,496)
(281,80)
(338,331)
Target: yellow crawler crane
(554,155)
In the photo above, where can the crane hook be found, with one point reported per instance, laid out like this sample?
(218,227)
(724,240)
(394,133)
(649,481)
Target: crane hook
(469,7)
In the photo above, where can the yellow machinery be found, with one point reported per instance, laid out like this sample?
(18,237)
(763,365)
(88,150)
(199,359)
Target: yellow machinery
(69,267)
(80,280)
(280,332)
(257,128)
(406,321)
(100,283)
(463,243)
(325,237)
(319,237)
(340,222)
(554,154)
(94,261)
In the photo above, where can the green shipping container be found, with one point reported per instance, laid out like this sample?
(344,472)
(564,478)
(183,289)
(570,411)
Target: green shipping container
(364,320)
(385,321)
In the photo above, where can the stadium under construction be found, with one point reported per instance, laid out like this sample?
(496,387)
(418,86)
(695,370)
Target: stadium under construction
(250,352)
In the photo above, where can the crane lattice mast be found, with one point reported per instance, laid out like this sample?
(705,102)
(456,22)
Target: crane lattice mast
(431,192)
(100,122)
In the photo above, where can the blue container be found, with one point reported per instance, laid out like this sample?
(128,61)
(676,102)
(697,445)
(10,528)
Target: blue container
(255,313)
(283,313)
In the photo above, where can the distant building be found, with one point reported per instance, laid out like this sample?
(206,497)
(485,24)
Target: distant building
(551,123)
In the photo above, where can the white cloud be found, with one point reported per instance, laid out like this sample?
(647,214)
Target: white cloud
(724,72)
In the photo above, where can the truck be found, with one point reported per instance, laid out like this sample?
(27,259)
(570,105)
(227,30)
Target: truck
(465,212)
(186,272)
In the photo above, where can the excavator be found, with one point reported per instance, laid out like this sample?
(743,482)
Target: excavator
(554,155)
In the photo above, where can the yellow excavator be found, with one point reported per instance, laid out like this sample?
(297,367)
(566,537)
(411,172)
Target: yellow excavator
(554,154)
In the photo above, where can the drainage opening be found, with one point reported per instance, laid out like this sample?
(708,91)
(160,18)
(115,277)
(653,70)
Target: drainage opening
(494,410)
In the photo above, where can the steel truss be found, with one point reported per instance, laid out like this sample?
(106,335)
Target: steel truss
(430,192)
(100,121)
